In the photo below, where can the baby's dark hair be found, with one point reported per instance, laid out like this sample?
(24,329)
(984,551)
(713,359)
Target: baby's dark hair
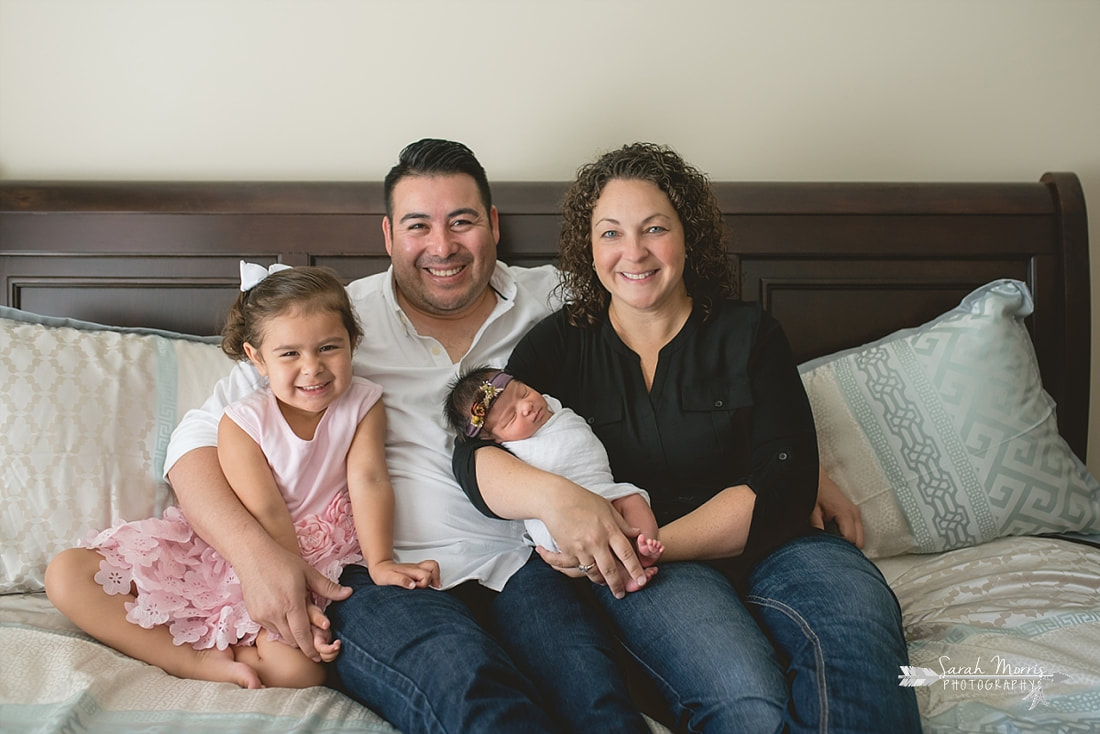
(310,289)
(461,394)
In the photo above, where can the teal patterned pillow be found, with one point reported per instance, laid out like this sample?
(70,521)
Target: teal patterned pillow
(944,436)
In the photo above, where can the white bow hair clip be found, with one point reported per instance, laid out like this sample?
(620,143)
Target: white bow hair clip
(253,273)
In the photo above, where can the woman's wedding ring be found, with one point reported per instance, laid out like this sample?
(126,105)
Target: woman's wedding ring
(586,567)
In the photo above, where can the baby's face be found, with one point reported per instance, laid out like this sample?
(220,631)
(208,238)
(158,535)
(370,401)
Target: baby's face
(517,413)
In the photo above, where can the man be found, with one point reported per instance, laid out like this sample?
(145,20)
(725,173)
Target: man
(507,645)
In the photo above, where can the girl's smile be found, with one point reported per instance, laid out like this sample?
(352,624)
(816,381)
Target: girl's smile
(307,358)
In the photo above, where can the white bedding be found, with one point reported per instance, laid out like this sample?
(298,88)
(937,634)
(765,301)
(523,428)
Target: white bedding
(1025,601)
(1030,601)
(57,679)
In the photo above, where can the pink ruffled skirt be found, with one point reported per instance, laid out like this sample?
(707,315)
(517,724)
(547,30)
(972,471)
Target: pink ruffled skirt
(184,583)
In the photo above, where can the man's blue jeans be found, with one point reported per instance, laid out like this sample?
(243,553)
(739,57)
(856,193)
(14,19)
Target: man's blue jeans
(815,643)
(422,660)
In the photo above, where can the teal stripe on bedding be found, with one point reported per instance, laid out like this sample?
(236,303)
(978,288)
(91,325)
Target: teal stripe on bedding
(83,713)
(167,400)
(959,633)
(1073,713)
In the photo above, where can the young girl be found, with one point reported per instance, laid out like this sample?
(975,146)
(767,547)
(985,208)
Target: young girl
(305,455)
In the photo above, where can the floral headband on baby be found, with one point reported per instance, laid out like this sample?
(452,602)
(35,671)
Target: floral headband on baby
(486,394)
(252,274)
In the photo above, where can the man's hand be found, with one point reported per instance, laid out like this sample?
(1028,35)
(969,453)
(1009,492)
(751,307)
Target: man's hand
(276,594)
(833,504)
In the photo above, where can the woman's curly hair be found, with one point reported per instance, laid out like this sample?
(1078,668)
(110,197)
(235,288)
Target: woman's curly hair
(708,272)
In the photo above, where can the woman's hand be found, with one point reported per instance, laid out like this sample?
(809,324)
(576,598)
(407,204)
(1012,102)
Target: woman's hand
(589,531)
(834,505)
(563,564)
(594,540)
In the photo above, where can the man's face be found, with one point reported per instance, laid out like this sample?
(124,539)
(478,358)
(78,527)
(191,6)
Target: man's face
(442,242)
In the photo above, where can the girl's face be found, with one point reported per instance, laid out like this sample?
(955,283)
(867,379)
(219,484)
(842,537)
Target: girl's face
(307,358)
(638,246)
(517,413)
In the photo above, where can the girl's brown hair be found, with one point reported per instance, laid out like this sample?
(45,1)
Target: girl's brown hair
(310,289)
(708,273)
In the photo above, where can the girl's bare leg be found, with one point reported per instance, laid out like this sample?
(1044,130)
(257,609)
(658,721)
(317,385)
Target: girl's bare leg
(71,586)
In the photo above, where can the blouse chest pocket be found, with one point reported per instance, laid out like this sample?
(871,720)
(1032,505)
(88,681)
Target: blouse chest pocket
(603,413)
(727,395)
(720,408)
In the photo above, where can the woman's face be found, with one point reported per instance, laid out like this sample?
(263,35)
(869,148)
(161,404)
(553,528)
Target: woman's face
(638,246)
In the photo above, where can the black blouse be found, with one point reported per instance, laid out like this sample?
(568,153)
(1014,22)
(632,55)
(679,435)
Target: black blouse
(726,407)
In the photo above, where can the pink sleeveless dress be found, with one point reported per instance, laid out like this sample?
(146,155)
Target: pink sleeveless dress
(184,583)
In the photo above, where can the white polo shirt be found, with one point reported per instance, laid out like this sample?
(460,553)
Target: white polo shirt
(433,517)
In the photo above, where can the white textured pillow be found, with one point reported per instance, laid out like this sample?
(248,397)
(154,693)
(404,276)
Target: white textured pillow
(944,436)
(87,412)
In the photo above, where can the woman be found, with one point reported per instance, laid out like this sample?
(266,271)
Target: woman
(756,620)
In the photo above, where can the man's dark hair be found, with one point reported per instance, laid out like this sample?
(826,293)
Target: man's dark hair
(435,157)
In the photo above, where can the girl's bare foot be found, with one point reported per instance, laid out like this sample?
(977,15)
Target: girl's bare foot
(222,667)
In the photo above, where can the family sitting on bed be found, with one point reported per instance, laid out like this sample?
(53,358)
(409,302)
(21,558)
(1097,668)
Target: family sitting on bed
(445,619)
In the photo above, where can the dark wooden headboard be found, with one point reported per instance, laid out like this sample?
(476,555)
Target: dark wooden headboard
(838,263)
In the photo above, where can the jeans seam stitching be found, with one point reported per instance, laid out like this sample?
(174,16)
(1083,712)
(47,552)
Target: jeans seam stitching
(679,709)
(425,700)
(819,655)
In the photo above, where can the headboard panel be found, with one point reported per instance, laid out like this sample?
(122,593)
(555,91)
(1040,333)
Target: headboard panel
(839,264)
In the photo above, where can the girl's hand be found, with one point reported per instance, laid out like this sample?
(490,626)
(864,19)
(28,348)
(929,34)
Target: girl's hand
(323,643)
(326,647)
(408,575)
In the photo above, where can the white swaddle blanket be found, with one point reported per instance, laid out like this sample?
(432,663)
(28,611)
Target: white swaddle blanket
(566,445)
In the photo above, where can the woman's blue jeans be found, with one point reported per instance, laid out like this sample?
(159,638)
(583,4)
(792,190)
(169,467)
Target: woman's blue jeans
(815,643)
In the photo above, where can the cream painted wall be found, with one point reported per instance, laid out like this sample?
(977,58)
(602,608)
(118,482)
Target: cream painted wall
(760,89)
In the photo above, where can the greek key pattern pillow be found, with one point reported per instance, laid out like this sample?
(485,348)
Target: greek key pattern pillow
(944,436)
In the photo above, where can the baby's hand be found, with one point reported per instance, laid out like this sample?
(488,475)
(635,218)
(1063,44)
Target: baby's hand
(408,575)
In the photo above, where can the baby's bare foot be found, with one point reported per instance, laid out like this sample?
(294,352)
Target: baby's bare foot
(649,549)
